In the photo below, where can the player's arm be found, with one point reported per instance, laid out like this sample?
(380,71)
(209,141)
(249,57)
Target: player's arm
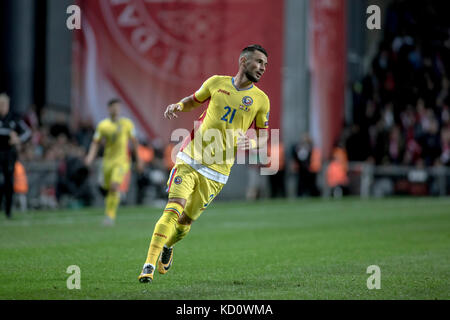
(191,102)
(262,130)
(135,148)
(93,148)
(263,137)
(262,123)
(185,105)
(92,153)
(245,143)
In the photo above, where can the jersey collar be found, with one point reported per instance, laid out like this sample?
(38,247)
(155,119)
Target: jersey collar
(232,81)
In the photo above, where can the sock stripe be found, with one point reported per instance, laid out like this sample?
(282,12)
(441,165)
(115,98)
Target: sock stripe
(174,210)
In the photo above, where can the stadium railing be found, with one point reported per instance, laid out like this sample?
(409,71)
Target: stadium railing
(368,180)
(365,180)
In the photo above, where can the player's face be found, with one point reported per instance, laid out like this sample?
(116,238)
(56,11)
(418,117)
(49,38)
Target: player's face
(255,66)
(114,110)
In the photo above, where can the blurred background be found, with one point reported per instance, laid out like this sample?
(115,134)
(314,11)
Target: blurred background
(361,111)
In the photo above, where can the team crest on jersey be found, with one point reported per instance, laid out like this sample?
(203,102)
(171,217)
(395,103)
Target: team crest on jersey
(178,180)
(247,101)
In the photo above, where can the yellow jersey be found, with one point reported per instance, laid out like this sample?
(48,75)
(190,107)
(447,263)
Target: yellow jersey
(116,135)
(229,110)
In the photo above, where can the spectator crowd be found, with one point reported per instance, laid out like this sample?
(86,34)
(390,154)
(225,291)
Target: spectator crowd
(401,108)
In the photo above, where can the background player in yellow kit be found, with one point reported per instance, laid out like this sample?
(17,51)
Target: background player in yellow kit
(234,103)
(115,132)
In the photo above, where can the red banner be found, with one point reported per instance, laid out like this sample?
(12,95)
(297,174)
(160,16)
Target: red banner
(328,72)
(151,53)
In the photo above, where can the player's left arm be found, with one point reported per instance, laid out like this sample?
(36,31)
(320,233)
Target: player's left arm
(262,130)
(263,137)
(135,148)
(246,143)
(262,123)
(95,145)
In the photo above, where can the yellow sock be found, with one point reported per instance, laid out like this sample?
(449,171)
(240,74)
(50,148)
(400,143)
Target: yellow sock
(164,229)
(181,230)
(111,203)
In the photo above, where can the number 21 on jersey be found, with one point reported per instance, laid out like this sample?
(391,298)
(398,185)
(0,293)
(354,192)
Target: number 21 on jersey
(227,114)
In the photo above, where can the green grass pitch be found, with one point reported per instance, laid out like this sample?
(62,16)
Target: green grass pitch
(283,249)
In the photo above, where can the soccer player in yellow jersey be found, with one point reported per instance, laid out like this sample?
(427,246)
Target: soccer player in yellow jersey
(115,132)
(234,103)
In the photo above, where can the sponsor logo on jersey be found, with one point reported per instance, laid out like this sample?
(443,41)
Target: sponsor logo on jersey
(247,101)
(246,109)
(160,235)
(224,91)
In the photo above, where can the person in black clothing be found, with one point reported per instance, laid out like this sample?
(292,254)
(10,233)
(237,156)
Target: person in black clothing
(13,132)
(301,154)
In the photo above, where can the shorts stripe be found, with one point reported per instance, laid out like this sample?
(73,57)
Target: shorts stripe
(173,210)
(172,175)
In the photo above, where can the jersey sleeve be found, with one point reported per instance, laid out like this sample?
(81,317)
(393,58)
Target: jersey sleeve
(98,135)
(262,117)
(204,93)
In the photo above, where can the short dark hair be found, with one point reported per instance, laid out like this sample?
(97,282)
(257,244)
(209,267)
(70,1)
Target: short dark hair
(253,48)
(113,101)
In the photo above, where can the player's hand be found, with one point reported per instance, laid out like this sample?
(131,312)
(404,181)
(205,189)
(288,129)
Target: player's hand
(243,142)
(14,138)
(171,110)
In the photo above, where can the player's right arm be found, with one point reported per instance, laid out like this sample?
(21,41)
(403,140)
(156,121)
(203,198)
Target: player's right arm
(191,102)
(185,105)
(93,148)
